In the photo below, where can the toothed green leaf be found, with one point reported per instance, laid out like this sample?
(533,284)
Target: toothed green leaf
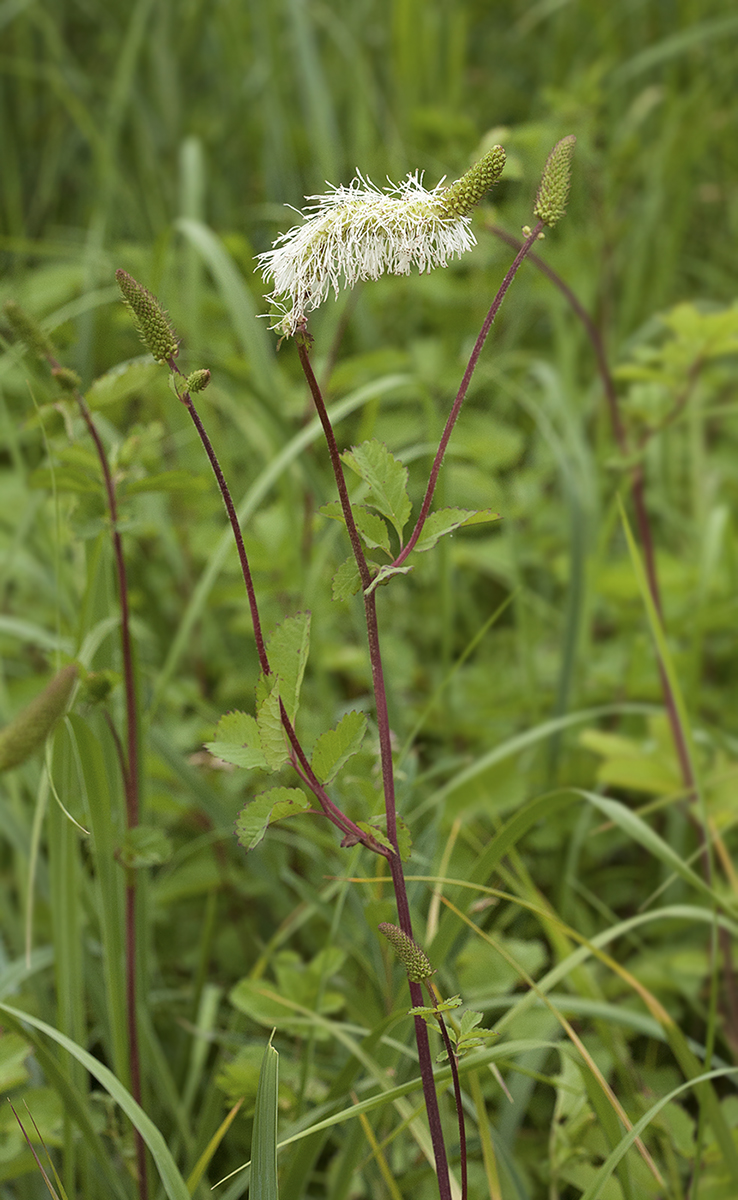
(271,806)
(271,733)
(334,747)
(374,532)
(387,480)
(287,651)
(237,741)
(346,581)
(445,520)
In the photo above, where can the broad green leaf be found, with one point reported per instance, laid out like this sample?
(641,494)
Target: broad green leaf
(237,741)
(447,519)
(387,480)
(384,574)
(374,532)
(271,732)
(145,846)
(271,806)
(287,650)
(346,581)
(334,747)
(378,834)
(263,1185)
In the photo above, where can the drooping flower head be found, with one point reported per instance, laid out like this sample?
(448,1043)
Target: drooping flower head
(361,232)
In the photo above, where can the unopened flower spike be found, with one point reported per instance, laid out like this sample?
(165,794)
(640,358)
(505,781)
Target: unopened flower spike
(151,320)
(361,232)
(27,330)
(553,192)
(415,961)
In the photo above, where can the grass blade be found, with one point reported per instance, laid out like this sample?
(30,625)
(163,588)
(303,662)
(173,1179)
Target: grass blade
(264,1141)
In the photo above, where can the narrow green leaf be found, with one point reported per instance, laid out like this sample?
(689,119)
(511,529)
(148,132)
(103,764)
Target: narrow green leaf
(287,650)
(271,733)
(596,1188)
(174,1184)
(264,1138)
(271,806)
(346,581)
(445,520)
(387,480)
(334,747)
(237,741)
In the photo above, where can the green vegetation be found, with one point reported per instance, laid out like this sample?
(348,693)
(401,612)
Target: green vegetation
(560,682)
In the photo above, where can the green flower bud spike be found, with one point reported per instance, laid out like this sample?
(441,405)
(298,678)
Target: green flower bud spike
(30,728)
(27,330)
(198,380)
(68,380)
(460,198)
(151,320)
(553,192)
(416,963)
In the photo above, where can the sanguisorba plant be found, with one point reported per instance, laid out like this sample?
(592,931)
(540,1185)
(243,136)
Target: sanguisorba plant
(354,233)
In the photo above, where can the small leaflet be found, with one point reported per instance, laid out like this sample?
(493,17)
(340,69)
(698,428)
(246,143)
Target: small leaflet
(287,650)
(387,480)
(384,574)
(346,581)
(334,747)
(271,806)
(271,733)
(445,520)
(374,533)
(237,741)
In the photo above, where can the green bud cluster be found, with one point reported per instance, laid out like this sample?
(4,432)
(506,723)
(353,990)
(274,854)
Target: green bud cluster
(198,380)
(460,198)
(27,330)
(151,320)
(415,961)
(553,192)
(30,728)
(67,379)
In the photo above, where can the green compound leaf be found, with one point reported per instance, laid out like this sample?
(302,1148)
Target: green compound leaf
(387,480)
(346,581)
(237,741)
(378,829)
(271,732)
(287,650)
(445,520)
(334,747)
(384,574)
(374,533)
(271,806)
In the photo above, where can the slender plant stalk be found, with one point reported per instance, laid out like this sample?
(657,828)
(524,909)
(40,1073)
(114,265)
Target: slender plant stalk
(523,251)
(375,658)
(454,1065)
(351,831)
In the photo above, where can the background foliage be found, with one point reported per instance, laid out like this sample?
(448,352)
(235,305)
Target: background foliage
(165,138)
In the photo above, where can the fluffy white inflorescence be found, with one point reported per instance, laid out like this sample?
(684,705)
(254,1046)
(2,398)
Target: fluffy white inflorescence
(360,232)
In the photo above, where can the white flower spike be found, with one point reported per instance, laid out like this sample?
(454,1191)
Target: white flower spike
(360,232)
